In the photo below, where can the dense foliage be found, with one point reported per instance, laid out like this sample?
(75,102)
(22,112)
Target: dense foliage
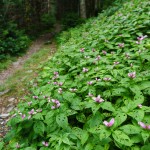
(94,93)
(12,41)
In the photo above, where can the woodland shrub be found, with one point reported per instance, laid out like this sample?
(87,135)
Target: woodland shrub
(12,41)
(94,93)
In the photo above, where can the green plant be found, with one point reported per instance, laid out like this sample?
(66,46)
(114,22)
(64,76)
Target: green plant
(12,41)
(94,93)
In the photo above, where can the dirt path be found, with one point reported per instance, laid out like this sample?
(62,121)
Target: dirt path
(8,103)
(36,45)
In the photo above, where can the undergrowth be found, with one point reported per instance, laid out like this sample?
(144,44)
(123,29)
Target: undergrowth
(94,93)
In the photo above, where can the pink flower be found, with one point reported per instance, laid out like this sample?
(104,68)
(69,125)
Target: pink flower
(48,82)
(140,38)
(87,57)
(110,123)
(90,82)
(60,83)
(140,105)
(73,89)
(49,99)
(106,79)
(97,79)
(17,145)
(138,42)
(55,77)
(56,73)
(31,112)
(55,83)
(144,126)
(53,107)
(29,103)
(39,110)
(116,63)
(82,50)
(23,116)
(121,45)
(93,50)
(132,75)
(85,70)
(44,96)
(29,117)
(104,52)
(35,97)
(98,58)
(56,104)
(60,90)
(45,143)
(90,95)
(127,55)
(98,99)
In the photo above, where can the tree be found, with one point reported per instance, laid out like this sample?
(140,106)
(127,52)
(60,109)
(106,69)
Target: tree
(82,8)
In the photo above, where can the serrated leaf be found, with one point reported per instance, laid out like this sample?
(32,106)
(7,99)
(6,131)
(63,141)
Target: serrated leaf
(121,138)
(62,120)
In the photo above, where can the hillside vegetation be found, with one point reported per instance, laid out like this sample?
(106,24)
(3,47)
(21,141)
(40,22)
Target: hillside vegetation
(94,93)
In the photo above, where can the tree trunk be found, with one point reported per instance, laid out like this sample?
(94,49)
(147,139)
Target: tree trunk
(82,9)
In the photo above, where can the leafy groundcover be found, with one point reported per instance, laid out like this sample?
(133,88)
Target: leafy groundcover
(94,94)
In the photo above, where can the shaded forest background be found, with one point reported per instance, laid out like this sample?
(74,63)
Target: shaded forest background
(21,20)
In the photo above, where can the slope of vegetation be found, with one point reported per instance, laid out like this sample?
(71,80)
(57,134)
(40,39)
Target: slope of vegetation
(94,93)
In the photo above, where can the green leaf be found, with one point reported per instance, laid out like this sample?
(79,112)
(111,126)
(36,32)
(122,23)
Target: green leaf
(77,131)
(62,120)
(107,106)
(30,148)
(144,84)
(121,138)
(120,118)
(145,136)
(145,147)
(89,146)
(68,96)
(130,129)
(1,145)
(103,134)
(81,117)
(39,127)
(49,118)
(84,137)
(137,114)
(66,141)
(94,121)
(38,116)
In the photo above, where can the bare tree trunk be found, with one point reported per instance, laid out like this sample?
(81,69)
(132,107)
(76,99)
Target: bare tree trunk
(82,9)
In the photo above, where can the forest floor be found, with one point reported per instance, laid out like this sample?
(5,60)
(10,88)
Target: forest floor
(13,80)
